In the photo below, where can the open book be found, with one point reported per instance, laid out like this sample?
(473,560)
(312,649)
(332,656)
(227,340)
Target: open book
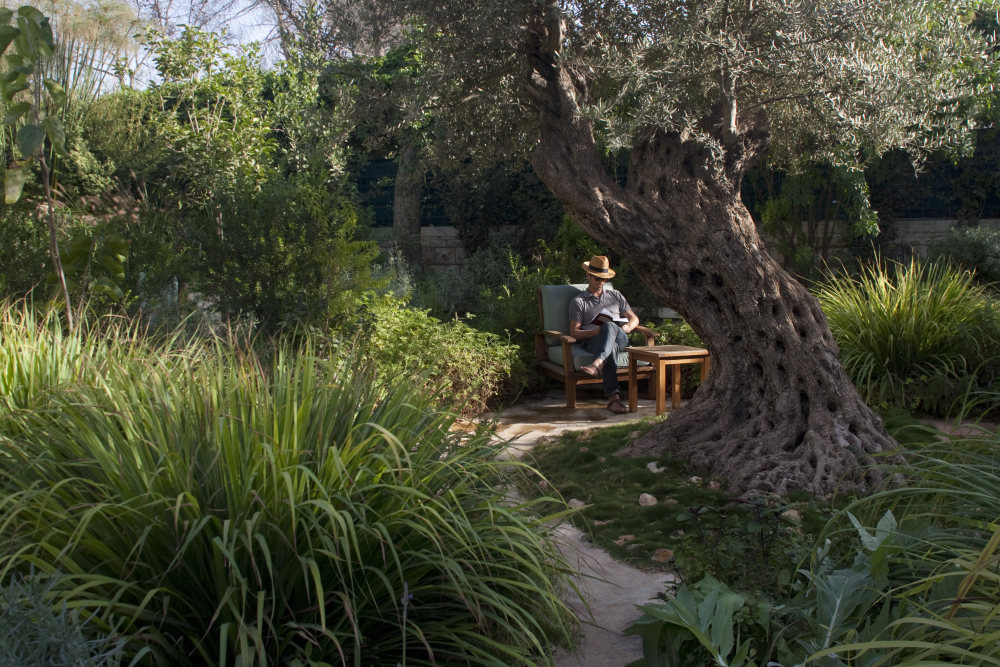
(607,316)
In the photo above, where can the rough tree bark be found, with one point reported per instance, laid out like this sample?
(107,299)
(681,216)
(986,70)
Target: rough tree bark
(777,411)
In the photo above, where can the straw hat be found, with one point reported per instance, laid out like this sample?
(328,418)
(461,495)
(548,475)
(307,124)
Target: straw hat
(599,266)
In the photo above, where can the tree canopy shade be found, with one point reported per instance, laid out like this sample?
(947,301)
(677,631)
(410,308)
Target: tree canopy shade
(697,90)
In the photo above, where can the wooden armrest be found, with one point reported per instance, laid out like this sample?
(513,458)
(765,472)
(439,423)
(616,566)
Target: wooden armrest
(541,344)
(650,335)
(567,354)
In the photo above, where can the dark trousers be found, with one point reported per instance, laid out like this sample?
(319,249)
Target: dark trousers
(604,346)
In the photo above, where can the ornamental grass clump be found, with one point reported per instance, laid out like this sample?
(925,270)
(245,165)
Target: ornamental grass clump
(914,335)
(212,509)
(37,356)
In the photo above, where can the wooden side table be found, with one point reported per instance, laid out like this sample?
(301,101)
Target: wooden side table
(661,356)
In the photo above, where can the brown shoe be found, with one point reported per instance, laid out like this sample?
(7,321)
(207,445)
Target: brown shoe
(616,406)
(593,370)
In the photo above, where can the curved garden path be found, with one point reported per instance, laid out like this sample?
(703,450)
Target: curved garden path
(611,589)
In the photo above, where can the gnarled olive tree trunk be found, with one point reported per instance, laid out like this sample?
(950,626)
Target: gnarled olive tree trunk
(777,411)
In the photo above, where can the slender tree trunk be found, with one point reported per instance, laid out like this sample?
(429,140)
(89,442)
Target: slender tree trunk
(54,242)
(777,411)
(407,194)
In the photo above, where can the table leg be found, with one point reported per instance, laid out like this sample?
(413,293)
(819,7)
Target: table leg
(633,391)
(705,364)
(675,391)
(661,387)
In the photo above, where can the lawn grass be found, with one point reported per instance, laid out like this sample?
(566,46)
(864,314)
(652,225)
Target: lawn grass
(754,544)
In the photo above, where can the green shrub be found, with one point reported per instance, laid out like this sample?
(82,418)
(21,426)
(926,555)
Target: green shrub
(444,293)
(284,254)
(507,298)
(217,510)
(912,335)
(976,249)
(465,367)
(675,332)
(24,261)
(36,634)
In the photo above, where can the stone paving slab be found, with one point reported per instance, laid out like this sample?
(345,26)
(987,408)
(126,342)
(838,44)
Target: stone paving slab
(547,416)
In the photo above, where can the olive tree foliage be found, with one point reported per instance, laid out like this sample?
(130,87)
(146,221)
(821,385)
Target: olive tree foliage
(842,80)
(697,91)
(339,28)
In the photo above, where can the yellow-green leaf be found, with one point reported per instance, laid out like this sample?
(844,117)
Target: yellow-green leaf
(56,92)
(13,183)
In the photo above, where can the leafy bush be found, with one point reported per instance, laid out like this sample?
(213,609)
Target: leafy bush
(36,634)
(977,249)
(444,293)
(24,262)
(675,332)
(919,335)
(465,367)
(214,509)
(284,254)
(506,301)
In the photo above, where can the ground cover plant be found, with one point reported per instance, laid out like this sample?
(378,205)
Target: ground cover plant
(905,576)
(34,633)
(206,506)
(754,543)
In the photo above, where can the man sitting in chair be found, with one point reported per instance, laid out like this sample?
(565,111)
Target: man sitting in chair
(601,319)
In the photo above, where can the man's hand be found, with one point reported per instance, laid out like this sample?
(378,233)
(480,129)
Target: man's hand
(633,322)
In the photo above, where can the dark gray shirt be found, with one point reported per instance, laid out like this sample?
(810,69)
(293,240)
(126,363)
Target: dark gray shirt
(585,306)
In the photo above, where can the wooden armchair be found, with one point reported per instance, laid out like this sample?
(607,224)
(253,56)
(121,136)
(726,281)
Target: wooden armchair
(558,354)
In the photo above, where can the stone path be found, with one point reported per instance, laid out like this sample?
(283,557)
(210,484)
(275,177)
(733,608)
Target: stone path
(611,589)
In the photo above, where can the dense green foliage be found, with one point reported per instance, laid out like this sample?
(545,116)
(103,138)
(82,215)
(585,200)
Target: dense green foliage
(976,249)
(808,210)
(918,335)
(465,367)
(325,512)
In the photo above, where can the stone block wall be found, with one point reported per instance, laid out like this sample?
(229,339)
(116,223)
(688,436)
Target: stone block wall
(441,247)
(926,233)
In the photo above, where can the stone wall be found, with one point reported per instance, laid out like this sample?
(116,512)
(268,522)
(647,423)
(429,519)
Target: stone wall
(441,247)
(922,234)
